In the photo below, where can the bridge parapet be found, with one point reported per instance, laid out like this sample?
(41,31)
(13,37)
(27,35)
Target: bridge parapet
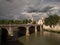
(13,24)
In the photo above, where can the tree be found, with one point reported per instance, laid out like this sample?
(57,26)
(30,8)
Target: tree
(29,21)
(52,20)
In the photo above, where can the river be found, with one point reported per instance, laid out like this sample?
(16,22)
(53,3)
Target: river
(48,38)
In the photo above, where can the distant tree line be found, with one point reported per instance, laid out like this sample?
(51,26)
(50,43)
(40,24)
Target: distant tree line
(25,21)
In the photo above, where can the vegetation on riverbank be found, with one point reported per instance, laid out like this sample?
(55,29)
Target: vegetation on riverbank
(52,20)
(25,21)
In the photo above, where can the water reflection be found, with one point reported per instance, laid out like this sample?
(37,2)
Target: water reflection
(48,38)
(35,34)
(27,40)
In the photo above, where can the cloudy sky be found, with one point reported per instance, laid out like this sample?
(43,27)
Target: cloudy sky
(22,9)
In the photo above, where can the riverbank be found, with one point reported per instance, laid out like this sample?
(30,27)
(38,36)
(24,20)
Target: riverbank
(51,31)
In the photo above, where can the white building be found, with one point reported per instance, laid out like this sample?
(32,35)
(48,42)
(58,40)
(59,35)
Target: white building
(41,21)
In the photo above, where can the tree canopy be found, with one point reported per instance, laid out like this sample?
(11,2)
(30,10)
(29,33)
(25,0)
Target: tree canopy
(52,20)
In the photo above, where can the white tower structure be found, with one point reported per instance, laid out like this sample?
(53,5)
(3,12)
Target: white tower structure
(41,21)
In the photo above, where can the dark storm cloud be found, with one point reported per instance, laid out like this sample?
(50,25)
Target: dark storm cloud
(52,0)
(46,9)
(33,9)
(9,0)
(10,8)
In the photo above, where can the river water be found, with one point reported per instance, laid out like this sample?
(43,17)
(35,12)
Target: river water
(48,38)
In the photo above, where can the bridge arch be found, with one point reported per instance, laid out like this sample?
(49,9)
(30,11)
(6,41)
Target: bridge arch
(21,31)
(31,29)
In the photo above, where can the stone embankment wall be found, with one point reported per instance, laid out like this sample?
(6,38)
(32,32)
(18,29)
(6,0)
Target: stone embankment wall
(56,28)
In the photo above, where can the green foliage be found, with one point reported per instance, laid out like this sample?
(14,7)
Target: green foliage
(52,20)
(25,21)
(34,22)
(29,21)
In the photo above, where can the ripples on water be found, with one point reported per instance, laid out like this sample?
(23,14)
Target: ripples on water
(48,38)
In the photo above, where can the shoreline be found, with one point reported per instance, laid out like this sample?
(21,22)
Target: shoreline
(51,31)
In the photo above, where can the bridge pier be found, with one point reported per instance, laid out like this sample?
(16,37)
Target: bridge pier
(27,31)
(35,29)
(10,31)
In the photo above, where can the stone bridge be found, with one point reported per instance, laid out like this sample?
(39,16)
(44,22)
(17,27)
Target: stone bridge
(13,27)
